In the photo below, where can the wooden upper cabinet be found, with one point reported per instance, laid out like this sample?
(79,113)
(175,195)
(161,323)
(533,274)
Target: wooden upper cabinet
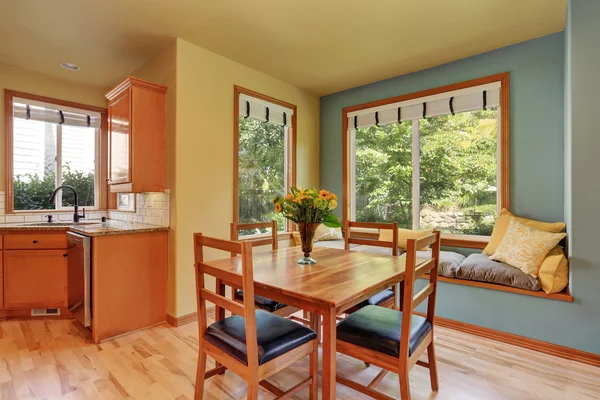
(137,137)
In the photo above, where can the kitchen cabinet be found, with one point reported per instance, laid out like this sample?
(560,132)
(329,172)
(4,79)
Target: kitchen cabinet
(35,278)
(137,138)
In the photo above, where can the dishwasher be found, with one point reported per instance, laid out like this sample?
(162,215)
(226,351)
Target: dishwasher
(79,277)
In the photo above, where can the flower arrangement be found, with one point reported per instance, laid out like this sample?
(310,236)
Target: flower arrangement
(308,208)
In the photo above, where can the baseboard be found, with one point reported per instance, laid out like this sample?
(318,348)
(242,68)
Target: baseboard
(521,341)
(187,318)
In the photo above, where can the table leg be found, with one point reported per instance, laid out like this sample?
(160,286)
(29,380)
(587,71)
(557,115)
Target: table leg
(329,354)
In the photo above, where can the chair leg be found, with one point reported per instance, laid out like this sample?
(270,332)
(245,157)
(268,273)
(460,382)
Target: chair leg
(433,375)
(199,390)
(404,384)
(252,390)
(313,393)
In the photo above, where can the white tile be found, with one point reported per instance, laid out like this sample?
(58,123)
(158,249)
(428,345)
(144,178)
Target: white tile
(163,213)
(65,217)
(14,218)
(164,221)
(164,205)
(155,221)
(34,218)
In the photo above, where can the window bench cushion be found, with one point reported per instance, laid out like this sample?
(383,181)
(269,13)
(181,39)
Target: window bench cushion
(479,267)
(449,261)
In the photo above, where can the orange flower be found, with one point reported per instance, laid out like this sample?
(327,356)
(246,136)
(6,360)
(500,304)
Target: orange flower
(324,194)
(289,197)
(278,207)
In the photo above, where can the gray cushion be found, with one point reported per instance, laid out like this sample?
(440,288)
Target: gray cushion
(449,261)
(479,267)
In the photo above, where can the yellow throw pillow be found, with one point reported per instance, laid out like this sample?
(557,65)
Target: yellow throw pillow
(525,247)
(554,271)
(387,235)
(324,233)
(502,225)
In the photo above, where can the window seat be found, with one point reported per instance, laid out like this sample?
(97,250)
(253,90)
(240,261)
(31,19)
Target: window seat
(475,271)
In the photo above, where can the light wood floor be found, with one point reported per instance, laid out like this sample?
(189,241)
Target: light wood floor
(48,359)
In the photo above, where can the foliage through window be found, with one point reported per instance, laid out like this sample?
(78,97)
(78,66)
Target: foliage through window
(455,165)
(262,170)
(47,155)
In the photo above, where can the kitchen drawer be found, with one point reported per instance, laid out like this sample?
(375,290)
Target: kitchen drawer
(35,241)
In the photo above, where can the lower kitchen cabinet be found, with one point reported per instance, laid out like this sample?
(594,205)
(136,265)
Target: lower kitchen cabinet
(35,278)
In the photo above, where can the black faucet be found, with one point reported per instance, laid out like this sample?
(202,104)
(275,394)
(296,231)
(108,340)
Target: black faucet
(76,216)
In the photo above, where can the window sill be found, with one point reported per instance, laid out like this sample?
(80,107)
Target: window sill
(465,241)
(62,210)
(562,296)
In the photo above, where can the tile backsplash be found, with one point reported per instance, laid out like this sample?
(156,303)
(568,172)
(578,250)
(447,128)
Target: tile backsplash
(150,208)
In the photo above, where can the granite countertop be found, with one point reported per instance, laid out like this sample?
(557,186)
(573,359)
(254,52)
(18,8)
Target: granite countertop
(87,228)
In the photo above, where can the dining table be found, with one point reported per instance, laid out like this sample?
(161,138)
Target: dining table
(339,280)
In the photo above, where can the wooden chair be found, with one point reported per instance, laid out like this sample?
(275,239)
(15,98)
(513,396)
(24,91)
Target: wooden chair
(234,342)
(391,339)
(387,298)
(263,303)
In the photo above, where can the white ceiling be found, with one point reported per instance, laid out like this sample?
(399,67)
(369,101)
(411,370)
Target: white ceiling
(323,46)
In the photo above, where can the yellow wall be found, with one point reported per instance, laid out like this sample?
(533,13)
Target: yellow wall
(162,70)
(31,82)
(204,160)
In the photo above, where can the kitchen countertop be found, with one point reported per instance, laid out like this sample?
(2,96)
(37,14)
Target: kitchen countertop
(95,229)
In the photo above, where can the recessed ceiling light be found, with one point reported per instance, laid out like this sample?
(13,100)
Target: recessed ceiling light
(69,66)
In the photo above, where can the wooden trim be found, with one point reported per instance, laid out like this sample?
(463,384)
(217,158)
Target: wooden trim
(9,133)
(521,341)
(562,296)
(131,81)
(237,90)
(188,318)
(465,241)
(504,140)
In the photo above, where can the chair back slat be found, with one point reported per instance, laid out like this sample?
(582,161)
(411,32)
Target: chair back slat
(348,239)
(409,300)
(203,295)
(234,233)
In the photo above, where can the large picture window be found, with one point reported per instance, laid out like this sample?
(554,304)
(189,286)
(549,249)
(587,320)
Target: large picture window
(52,145)
(433,161)
(264,156)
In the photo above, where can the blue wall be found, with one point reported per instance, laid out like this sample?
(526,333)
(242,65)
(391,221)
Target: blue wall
(537,180)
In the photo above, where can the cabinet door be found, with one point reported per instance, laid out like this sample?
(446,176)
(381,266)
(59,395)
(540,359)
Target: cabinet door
(35,278)
(119,125)
(1,283)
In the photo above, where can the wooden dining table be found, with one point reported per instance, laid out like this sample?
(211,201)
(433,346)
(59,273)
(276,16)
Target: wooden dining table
(339,280)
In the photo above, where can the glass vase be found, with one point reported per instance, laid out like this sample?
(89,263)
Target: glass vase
(307,235)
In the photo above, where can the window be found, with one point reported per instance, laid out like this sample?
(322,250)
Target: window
(264,156)
(51,145)
(434,160)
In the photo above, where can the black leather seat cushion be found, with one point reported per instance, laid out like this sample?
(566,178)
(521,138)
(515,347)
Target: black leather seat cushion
(261,302)
(378,299)
(276,336)
(378,328)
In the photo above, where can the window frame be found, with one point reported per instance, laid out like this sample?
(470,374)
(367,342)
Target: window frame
(101,149)
(503,147)
(290,147)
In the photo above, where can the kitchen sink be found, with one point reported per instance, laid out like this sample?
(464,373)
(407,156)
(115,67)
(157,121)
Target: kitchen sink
(63,223)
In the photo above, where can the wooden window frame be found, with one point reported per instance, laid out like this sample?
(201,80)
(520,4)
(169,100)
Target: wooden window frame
(9,95)
(504,144)
(237,91)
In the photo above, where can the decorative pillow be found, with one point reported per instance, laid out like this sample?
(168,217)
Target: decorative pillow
(387,235)
(449,261)
(324,233)
(554,271)
(502,225)
(525,247)
(479,267)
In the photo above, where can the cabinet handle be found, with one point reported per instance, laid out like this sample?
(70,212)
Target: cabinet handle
(35,241)
(107,180)
(65,255)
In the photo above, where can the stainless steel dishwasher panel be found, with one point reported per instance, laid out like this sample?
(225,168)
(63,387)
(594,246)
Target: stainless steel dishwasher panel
(79,265)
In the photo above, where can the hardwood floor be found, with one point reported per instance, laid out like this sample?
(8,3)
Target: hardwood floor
(48,359)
